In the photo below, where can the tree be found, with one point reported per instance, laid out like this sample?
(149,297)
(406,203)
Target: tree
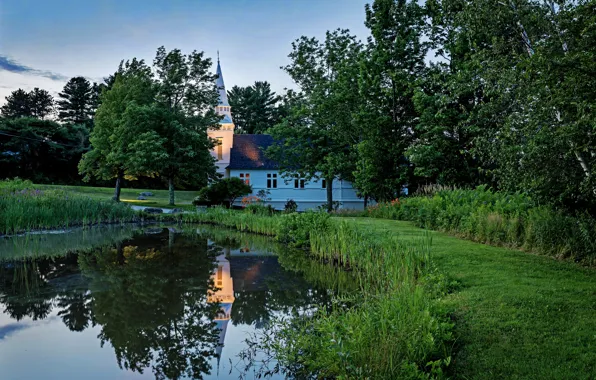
(76,101)
(391,66)
(254,108)
(175,144)
(41,150)
(113,134)
(312,140)
(41,103)
(18,104)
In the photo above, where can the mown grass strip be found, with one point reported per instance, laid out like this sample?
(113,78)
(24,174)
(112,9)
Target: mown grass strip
(518,316)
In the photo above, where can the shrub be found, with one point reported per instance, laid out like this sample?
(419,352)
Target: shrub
(291,206)
(224,192)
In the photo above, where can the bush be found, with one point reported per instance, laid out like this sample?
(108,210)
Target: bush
(224,192)
(291,206)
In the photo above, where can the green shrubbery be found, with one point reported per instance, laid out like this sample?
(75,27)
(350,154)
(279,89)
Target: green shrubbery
(24,208)
(512,220)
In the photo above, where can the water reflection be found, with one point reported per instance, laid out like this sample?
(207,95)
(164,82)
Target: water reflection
(167,303)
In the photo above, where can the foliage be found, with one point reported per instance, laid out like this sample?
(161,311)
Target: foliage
(225,191)
(75,104)
(291,206)
(174,143)
(254,108)
(312,139)
(28,209)
(295,229)
(512,220)
(41,150)
(37,103)
(112,136)
(259,209)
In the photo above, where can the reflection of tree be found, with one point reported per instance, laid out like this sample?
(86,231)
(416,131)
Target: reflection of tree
(152,305)
(28,287)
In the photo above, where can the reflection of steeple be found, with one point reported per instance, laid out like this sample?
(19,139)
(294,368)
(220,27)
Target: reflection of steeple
(224,295)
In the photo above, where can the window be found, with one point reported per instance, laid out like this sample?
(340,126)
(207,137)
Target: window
(299,183)
(219,148)
(245,177)
(272,181)
(219,275)
(324,184)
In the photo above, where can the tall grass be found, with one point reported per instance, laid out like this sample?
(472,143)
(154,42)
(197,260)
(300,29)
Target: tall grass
(511,220)
(390,329)
(241,221)
(24,208)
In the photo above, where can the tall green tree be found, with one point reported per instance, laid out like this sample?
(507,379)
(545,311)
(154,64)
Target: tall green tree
(254,108)
(174,143)
(312,140)
(76,103)
(113,135)
(391,68)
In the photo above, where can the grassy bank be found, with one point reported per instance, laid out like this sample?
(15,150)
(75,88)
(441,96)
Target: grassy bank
(509,220)
(159,199)
(517,316)
(394,313)
(24,207)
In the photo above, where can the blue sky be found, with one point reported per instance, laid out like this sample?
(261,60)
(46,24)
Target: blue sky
(45,42)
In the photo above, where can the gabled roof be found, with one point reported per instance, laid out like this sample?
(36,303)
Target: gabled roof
(248,152)
(221,87)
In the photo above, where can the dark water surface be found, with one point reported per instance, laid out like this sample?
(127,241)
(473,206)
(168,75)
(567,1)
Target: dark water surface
(130,302)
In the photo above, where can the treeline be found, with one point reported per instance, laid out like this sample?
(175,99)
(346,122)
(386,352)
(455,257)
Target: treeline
(42,138)
(451,92)
(146,124)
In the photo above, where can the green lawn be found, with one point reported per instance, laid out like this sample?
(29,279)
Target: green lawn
(517,315)
(160,198)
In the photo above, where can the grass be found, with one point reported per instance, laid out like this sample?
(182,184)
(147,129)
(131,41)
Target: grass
(25,208)
(393,311)
(497,218)
(160,199)
(517,315)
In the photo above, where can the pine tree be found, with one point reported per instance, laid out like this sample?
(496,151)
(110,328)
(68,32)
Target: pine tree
(76,104)
(18,104)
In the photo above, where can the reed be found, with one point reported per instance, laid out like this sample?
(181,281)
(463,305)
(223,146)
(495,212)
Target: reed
(24,208)
(389,328)
(510,220)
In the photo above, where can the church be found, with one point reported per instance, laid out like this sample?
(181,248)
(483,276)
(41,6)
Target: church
(243,156)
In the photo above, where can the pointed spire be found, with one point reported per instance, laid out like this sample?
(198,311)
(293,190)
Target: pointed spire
(223,96)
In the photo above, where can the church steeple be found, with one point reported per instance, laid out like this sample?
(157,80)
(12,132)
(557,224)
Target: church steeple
(221,87)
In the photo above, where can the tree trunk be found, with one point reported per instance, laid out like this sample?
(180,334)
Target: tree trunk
(171,189)
(329,194)
(365,201)
(119,181)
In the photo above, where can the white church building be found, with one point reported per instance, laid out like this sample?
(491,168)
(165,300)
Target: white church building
(243,156)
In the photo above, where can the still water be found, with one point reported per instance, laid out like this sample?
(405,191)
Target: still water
(143,303)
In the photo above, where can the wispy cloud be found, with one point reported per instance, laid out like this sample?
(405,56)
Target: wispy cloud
(8,64)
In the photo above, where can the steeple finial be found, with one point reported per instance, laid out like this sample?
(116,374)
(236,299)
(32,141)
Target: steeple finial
(217,56)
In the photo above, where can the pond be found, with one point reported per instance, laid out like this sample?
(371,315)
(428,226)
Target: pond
(150,302)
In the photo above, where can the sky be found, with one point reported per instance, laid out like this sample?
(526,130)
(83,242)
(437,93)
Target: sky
(43,43)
